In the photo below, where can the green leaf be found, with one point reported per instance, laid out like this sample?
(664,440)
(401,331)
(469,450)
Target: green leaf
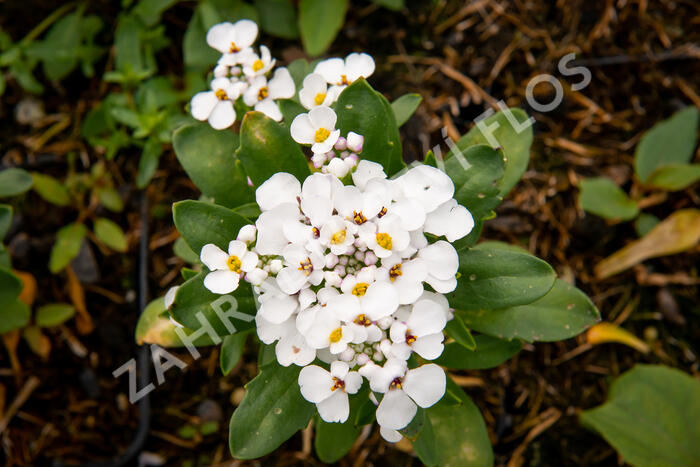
(404,107)
(109,198)
(475,173)
(110,234)
(515,146)
(154,327)
(644,223)
(64,38)
(489,353)
(272,410)
(363,110)
(490,279)
(184,252)
(671,141)
(54,314)
(319,23)
(150,11)
(290,109)
(460,436)
(13,315)
(674,177)
(207,155)
(148,162)
(391,4)
(267,148)
(425,445)
(5,220)
(51,189)
(201,223)
(651,417)
(10,286)
(14,181)
(458,331)
(196,52)
(193,298)
(278,18)
(231,351)
(563,313)
(67,246)
(601,196)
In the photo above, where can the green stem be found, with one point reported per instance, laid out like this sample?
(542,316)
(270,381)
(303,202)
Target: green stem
(48,21)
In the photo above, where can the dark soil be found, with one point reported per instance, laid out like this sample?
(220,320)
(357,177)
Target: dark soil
(461,57)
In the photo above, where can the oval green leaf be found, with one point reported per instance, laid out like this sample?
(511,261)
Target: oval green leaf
(51,189)
(602,197)
(405,106)
(13,315)
(272,410)
(319,23)
(201,223)
(489,353)
(54,314)
(231,351)
(674,177)
(110,234)
(651,417)
(14,181)
(155,327)
(563,313)
(67,246)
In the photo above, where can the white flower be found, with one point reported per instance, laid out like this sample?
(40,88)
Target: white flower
(262,94)
(226,269)
(376,299)
(316,128)
(278,189)
(276,307)
(442,261)
(422,332)
(326,331)
(406,276)
(302,267)
(329,390)
(247,234)
(293,349)
(343,72)
(337,234)
(385,237)
(216,105)
(403,390)
(357,206)
(272,224)
(254,65)
(232,39)
(317,197)
(314,92)
(366,171)
(450,219)
(429,186)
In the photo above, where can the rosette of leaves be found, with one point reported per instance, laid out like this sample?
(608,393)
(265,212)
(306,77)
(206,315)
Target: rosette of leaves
(505,296)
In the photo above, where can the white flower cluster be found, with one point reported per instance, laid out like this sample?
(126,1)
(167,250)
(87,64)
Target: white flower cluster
(340,273)
(241,72)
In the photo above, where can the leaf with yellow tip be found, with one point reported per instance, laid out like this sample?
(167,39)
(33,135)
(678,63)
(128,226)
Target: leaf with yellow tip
(154,327)
(603,333)
(678,232)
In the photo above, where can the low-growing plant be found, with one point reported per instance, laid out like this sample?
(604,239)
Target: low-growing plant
(361,278)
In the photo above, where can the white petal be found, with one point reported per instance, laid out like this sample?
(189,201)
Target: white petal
(302,130)
(380,300)
(338,167)
(396,410)
(271,239)
(214,257)
(451,220)
(426,318)
(442,286)
(315,383)
(256,276)
(401,350)
(280,188)
(278,308)
(397,332)
(318,209)
(237,248)
(269,332)
(249,261)
(220,36)
(425,384)
(441,258)
(247,233)
(313,85)
(334,409)
(323,117)
(339,369)
(331,70)
(345,307)
(359,66)
(353,382)
(202,104)
(429,347)
(221,282)
(408,291)
(291,279)
(169,298)
(269,108)
(410,212)
(293,349)
(281,86)
(365,171)
(389,435)
(428,185)
(246,33)
(222,116)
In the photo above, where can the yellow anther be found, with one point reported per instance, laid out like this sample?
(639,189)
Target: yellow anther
(358,218)
(360,289)
(320,97)
(263,93)
(258,65)
(233,48)
(362,320)
(395,272)
(338,384)
(306,267)
(338,237)
(234,263)
(321,135)
(221,94)
(410,338)
(384,240)
(336,335)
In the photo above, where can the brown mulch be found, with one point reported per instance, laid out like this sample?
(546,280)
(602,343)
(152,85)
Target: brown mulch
(462,58)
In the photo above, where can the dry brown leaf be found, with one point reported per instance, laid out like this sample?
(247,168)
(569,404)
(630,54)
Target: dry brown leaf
(83,320)
(37,340)
(678,232)
(28,287)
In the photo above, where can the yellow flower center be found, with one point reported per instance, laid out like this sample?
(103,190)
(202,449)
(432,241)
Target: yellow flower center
(258,65)
(306,266)
(263,93)
(384,240)
(360,289)
(234,263)
(395,272)
(221,94)
(338,237)
(362,320)
(410,338)
(382,213)
(396,384)
(320,97)
(233,48)
(321,135)
(338,384)
(358,218)
(336,335)
(344,80)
